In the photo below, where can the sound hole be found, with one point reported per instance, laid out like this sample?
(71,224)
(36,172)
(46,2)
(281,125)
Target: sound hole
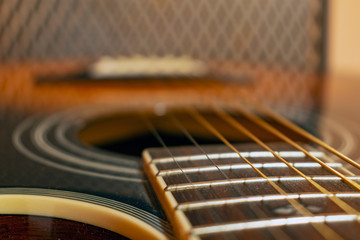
(35,227)
(128,133)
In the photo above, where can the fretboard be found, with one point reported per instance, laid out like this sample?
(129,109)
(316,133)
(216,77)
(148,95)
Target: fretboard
(212,192)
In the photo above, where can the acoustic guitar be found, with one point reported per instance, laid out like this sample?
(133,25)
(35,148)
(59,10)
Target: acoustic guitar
(167,158)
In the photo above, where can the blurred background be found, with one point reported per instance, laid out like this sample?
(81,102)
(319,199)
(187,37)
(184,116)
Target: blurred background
(344,38)
(283,45)
(342,96)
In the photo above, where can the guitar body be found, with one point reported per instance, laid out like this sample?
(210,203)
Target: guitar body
(100,194)
(59,176)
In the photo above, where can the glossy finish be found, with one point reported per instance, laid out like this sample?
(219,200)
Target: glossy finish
(35,227)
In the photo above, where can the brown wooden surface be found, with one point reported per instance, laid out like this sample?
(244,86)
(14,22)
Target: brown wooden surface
(18,82)
(35,227)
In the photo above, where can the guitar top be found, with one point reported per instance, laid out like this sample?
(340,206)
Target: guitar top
(64,178)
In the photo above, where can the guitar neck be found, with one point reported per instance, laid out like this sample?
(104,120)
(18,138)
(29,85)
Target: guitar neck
(260,190)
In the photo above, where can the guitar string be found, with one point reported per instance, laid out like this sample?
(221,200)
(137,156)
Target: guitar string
(277,233)
(292,126)
(322,228)
(156,134)
(343,205)
(276,132)
(329,159)
(241,128)
(158,137)
(191,138)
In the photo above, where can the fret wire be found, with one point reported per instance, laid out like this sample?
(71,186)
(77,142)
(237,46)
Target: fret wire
(218,167)
(153,130)
(202,184)
(277,233)
(302,132)
(277,222)
(258,198)
(227,155)
(322,228)
(346,207)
